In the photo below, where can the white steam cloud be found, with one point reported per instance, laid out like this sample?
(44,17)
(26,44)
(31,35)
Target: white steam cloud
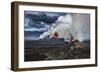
(76,25)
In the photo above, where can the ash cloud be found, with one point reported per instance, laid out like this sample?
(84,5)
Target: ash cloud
(39,23)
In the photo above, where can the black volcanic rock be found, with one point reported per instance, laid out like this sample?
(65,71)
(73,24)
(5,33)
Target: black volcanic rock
(58,53)
(44,42)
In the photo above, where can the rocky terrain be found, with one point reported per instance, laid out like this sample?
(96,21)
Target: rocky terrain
(72,50)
